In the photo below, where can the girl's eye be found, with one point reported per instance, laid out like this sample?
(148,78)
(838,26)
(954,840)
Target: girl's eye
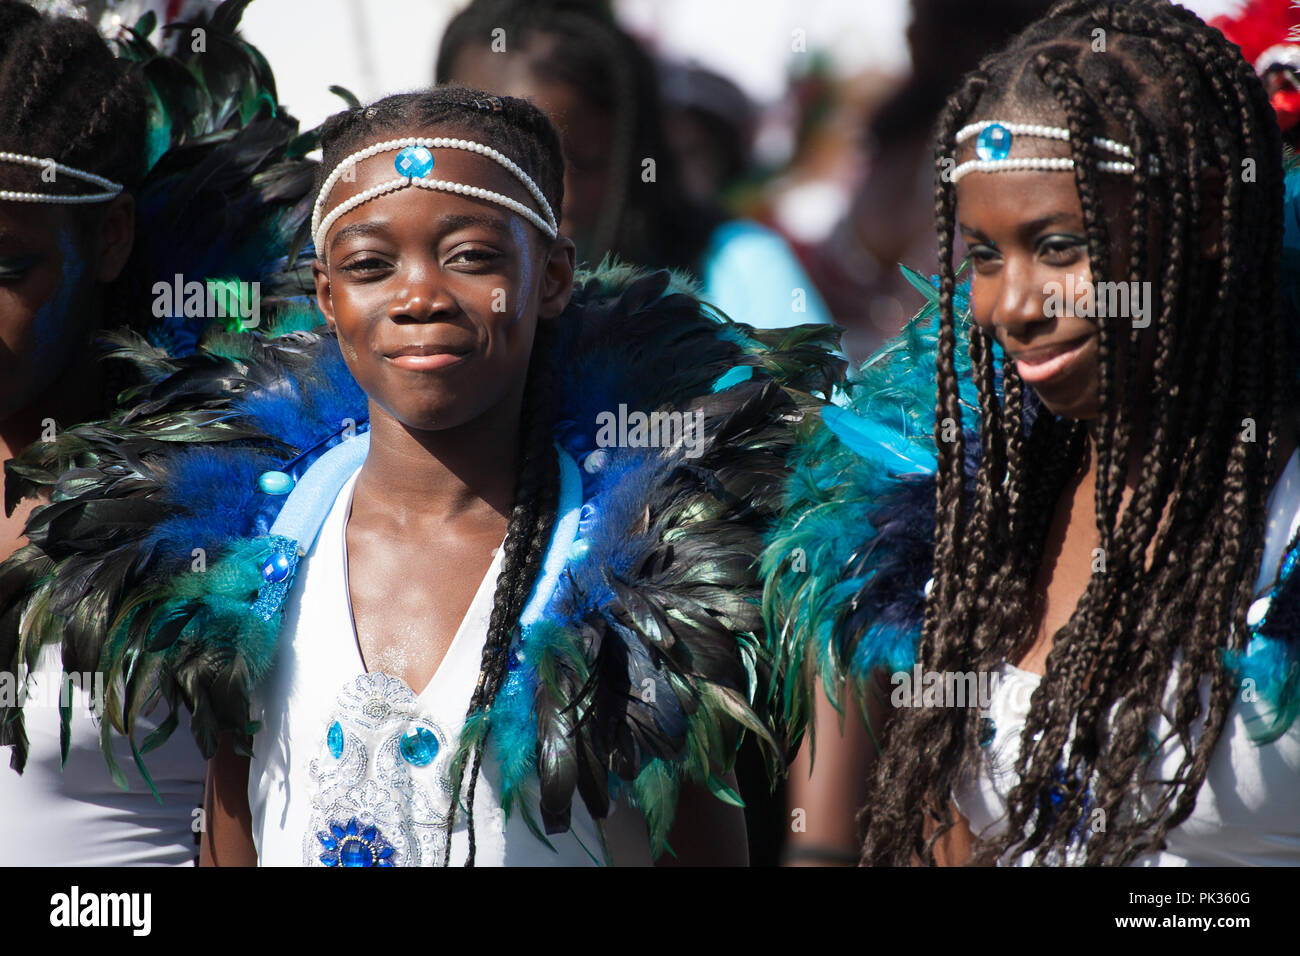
(1063,250)
(13,268)
(982,256)
(364,265)
(476,257)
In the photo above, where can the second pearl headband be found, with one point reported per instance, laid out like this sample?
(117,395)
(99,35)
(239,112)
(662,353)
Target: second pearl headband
(414,163)
(111,189)
(993,148)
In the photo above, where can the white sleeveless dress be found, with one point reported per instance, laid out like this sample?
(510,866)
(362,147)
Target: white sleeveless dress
(1247,810)
(352,768)
(75,815)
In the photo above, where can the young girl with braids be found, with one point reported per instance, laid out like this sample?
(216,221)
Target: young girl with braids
(454,591)
(1111,543)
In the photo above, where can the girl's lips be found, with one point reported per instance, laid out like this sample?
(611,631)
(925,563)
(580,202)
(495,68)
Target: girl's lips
(428,363)
(1041,368)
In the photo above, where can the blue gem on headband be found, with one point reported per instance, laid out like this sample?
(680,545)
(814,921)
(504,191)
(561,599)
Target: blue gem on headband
(414,161)
(994,142)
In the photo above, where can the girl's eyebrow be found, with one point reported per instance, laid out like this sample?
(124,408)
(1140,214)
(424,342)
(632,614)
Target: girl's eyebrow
(446,223)
(1026,228)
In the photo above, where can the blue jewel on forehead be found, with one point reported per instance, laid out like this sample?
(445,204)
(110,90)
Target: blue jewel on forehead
(414,161)
(994,142)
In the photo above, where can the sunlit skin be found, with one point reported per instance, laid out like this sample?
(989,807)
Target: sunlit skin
(458,285)
(55,261)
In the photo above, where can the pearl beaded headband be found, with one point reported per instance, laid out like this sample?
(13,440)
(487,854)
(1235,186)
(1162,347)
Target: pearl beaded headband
(414,163)
(993,147)
(111,189)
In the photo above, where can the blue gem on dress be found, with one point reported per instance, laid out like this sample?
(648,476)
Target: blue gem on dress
(988,730)
(354,844)
(993,142)
(275,482)
(277,573)
(276,568)
(334,739)
(419,747)
(414,161)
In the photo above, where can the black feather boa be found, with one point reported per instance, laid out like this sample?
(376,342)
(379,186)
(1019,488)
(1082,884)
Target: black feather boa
(667,594)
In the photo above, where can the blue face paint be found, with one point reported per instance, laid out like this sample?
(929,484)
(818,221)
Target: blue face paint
(50,323)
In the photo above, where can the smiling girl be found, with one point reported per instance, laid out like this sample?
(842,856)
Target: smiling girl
(1109,551)
(437,616)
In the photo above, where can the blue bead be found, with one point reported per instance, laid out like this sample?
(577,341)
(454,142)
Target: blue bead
(277,568)
(579,549)
(275,483)
(993,142)
(335,740)
(419,747)
(988,729)
(355,852)
(414,161)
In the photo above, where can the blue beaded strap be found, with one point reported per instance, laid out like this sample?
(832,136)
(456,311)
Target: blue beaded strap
(300,520)
(563,536)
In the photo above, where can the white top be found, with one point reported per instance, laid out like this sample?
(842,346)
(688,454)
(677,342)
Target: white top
(1248,809)
(339,744)
(77,816)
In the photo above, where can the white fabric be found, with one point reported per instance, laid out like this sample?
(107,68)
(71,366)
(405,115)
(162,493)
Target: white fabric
(297,787)
(77,816)
(1247,810)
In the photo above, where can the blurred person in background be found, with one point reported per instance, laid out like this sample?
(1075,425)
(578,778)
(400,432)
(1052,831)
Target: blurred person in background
(891,217)
(625,193)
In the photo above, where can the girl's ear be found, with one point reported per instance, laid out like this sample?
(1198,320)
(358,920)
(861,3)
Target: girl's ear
(557,278)
(116,237)
(324,301)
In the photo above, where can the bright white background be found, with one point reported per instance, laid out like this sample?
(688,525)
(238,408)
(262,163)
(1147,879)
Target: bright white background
(375,47)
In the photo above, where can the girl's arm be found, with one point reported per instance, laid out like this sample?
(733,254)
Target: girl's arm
(954,847)
(228,834)
(706,831)
(825,795)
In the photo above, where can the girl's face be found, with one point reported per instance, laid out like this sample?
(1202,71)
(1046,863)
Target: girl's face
(1025,236)
(435,296)
(50,266)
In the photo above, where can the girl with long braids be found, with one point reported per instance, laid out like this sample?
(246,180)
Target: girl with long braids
(101,157)
(478,559)
(1097,536)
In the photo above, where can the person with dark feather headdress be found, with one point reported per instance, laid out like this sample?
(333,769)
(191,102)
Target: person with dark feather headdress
(115,172)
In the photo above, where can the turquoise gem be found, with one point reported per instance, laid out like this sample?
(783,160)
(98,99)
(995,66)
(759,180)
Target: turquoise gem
(994,142)
(334,739)
(414,161)
(275,483)
(579,549)
(277,568)
(988,729)
(419,747)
